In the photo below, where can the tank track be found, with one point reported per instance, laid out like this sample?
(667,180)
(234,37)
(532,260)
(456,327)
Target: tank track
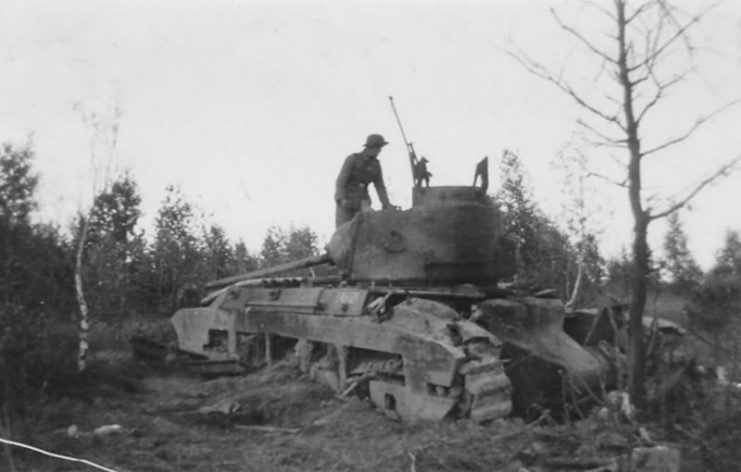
(481,390)
(487,389)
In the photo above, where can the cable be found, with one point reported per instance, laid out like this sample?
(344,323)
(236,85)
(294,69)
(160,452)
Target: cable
(57,456)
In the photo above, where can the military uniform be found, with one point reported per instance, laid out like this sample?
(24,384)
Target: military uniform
(359,170)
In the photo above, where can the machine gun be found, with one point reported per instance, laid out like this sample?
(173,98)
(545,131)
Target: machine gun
(419,166)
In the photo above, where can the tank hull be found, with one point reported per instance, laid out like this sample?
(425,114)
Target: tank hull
(419,358)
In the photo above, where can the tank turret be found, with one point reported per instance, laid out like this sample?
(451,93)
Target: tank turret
(450,236)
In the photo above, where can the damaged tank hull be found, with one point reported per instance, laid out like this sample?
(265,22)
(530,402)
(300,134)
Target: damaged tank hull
(416,321)
(420,361)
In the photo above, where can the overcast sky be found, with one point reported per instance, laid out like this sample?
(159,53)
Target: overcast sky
(250,107)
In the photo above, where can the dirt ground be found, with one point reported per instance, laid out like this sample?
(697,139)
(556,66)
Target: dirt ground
(273,420)
(277,420)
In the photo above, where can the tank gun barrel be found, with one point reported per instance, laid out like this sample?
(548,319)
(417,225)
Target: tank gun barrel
(260,273)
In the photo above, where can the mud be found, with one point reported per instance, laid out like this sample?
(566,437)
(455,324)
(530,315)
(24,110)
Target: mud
(273,420)
(277,420)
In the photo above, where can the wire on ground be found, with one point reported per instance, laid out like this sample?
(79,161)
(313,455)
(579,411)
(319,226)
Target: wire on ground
(57,456)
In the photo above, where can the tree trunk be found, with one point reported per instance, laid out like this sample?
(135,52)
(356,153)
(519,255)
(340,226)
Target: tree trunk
(640,218)
(639,282)
(579,277)
(82,333)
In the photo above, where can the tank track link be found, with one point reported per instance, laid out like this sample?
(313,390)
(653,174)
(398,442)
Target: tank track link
(487,389)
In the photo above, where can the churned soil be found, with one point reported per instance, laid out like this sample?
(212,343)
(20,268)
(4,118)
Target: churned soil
(164,419)
(140,417)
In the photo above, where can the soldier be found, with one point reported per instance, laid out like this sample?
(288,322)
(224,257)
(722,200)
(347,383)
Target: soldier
(359,170)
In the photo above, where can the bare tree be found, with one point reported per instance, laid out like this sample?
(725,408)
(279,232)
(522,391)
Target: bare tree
(103,134)
(645,37)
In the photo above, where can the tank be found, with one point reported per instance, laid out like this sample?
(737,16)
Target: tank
(416,319)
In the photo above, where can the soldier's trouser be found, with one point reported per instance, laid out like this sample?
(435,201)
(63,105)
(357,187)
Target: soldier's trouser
(345,213)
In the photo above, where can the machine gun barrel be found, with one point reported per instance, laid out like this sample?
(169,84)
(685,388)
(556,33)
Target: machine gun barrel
(410,146)
(260,273)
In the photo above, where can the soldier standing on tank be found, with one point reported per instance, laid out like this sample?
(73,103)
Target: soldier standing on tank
(359,170)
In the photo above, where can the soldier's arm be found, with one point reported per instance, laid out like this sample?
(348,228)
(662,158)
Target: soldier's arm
(339,193)
(381,189)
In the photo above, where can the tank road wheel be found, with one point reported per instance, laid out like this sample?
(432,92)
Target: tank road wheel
(327,364)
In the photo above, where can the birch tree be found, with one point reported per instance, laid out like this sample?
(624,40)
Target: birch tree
(103,138)
(579,217)
(639,60)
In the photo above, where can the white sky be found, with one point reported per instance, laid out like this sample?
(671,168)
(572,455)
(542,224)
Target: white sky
(251,106)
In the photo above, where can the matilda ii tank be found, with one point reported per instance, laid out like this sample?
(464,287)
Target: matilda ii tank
(416,318)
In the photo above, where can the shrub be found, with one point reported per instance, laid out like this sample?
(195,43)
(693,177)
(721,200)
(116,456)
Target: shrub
(716,302)
(37,354)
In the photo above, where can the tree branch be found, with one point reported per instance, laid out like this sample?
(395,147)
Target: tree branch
(699,122)
(660,89)
(669,12)
(679,33)
(604,11)
(606,140)
(638,81)
(604,144)
(622,184)
(540,71)
(618,162)
(721,172)
(581,38)
(637,13)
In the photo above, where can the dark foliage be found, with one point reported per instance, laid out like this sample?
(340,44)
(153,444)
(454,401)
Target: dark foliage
(281,246)
(679,264)
(36,297)
(546,258)
(717,301)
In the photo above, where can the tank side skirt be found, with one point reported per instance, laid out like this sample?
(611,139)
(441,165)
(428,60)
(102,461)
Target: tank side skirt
(426,360)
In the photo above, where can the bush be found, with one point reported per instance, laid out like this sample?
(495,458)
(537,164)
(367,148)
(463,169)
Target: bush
(716,302)
(37,355)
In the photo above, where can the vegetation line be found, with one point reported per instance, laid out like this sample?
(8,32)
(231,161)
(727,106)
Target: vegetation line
(57,456)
